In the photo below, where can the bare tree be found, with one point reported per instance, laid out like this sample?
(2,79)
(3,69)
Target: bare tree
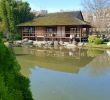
(100,12)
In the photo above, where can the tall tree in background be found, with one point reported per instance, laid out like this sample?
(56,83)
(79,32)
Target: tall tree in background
(98,9)
(3,15)
(13,12)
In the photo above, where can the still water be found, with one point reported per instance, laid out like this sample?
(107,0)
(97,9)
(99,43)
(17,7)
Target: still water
(60,74)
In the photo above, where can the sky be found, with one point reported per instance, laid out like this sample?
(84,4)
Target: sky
(55,5)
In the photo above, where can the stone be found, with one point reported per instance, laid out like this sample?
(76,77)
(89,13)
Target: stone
(61,42)
(30,42)
(50,43)
(18,43)
(25,40)
(74,42)
(71,46)
(35,43)
(55,43)
(80,44)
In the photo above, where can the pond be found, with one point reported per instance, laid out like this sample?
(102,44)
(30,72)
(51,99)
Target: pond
(61,74)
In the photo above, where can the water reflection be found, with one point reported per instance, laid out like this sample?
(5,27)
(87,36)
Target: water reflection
(63,60)
(66,74)
(100,64)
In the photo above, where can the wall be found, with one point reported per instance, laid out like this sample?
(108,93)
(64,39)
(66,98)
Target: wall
(40,31)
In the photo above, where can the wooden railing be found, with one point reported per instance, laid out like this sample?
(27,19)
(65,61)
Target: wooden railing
(52,34)
(29,34)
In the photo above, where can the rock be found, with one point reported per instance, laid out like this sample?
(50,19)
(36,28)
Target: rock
(25,43)
(74,42)
(80,44)
(65,43)
(108,44)
(35,43)
(18,43)
(71,46)
(30,42)
(61,42)
(25,40)
(39,43)
(55,43)
(50,43)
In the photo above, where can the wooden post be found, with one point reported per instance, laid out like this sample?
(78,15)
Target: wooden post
(36,33)
(80,34)
(61,32)
(87,31)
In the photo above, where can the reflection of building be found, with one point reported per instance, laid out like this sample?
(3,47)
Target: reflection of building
(56,26)
(58,60)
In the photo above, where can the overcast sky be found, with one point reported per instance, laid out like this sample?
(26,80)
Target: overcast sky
(55,5)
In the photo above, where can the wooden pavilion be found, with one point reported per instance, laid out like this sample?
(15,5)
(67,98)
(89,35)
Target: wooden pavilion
(56,26)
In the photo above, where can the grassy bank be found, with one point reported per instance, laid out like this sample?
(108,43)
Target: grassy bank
(101,46)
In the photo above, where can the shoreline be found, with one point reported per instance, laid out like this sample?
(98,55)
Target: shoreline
(100,46)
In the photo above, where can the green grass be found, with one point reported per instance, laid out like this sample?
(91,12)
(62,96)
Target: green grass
(102,46)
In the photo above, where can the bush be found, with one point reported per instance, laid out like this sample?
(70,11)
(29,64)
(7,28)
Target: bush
(17,36)
(98,41)
(13,86)
(1,35)
(92,38)
(95,40)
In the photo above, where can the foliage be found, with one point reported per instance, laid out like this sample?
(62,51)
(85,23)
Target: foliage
(17,36)
(95,40)
(13,12)
(94,52)
(13,86)
(92,38)
(98,41)
(1,35)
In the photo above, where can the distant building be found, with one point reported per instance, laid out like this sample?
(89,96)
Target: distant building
(41,12)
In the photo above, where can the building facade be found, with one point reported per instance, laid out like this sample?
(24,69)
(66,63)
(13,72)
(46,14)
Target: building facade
(56,26)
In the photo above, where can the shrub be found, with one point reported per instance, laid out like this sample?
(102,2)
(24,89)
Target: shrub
(13,86)
(95,40)
(92,38)
(98,41)
(1,35)
(17,36)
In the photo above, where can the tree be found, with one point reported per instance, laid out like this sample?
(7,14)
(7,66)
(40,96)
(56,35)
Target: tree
(13,12)
(98,10)
(13,86)
(3,15)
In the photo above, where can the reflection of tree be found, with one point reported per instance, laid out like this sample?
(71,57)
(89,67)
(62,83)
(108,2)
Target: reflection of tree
(100,65)
(94,52)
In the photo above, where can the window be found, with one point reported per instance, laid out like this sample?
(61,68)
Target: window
(29,30)
(51,29)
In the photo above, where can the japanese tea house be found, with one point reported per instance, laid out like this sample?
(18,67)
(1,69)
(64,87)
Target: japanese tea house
(56,26)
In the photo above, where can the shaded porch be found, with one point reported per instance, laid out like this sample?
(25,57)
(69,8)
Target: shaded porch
(50,33)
